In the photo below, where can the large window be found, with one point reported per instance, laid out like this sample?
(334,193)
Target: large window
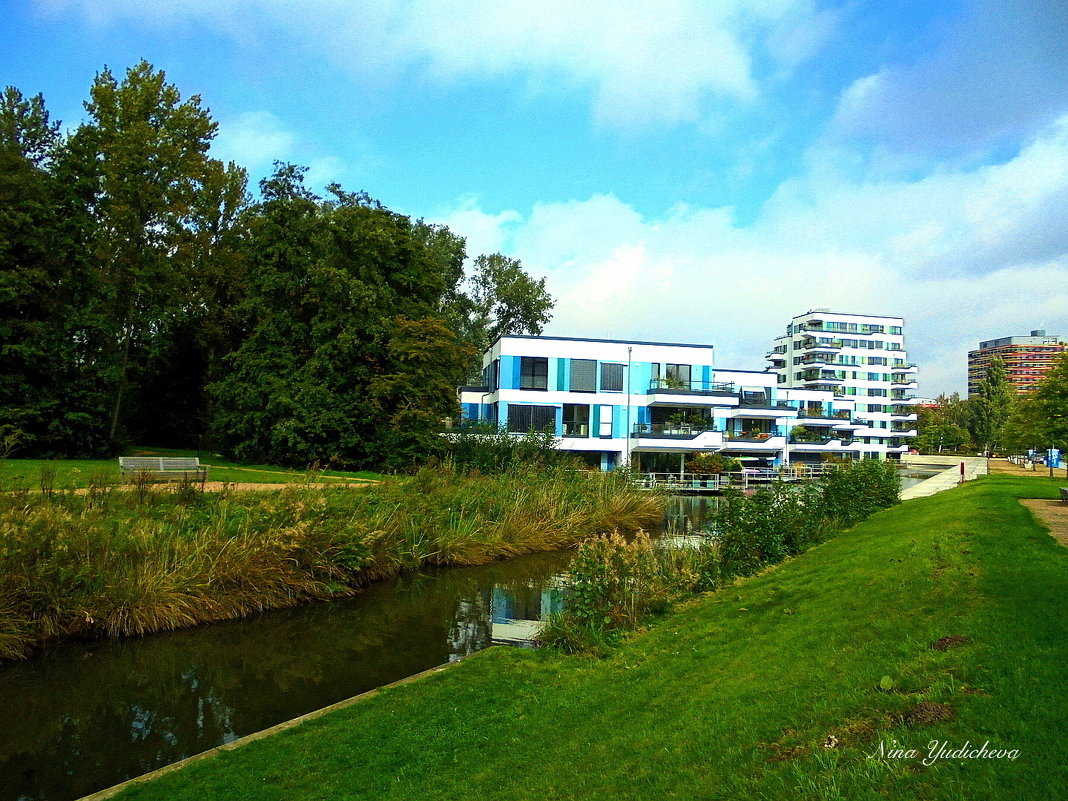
(678,375)
(583,375)
(576,420)
(524,418)
(611,378)
(533,372)
(490,375)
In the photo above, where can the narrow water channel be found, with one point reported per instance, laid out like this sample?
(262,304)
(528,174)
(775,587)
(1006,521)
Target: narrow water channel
(86,717)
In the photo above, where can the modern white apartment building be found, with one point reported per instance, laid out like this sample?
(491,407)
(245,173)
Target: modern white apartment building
(859,358)
(654,403)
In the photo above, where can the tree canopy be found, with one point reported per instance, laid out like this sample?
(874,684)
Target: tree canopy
(145,297)
(991,406)
(1040,419)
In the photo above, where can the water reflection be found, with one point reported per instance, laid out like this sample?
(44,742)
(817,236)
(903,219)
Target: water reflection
(91,716)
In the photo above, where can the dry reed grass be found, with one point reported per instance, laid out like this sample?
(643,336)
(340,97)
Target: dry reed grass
(111,563)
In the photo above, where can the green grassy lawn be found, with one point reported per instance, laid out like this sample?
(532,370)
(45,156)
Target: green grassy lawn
(16,473)
(735,695)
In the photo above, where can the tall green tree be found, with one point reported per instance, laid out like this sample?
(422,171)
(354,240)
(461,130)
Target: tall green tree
(991,406)
(943,427)
(50,382)
(28,260)
(1040,419)
(500,299)
(158,192)
(346,358)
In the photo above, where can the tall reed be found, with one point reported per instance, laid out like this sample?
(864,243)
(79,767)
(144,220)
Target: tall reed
(117,562)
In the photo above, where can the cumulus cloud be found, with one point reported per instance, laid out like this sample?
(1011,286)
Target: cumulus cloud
(956,253)
(998,72)
(254,139)
(667,61)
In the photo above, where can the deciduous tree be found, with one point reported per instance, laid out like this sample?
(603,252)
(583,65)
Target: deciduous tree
(991,406)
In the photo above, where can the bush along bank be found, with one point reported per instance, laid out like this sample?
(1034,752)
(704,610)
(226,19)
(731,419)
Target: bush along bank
(617,583)
(114,562)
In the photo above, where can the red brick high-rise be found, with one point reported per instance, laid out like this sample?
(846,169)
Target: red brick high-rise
(1026,359)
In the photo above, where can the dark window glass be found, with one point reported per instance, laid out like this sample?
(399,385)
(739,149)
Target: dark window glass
(576,420)
(679,375)
(523,418)
(583,375)
(533,372)
(611,377)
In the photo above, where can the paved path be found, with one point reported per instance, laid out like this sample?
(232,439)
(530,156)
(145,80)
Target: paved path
(948,479)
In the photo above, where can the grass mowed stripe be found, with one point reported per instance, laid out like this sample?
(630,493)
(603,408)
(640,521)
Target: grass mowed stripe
(735,695)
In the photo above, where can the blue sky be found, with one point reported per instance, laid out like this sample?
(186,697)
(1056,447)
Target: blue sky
(683,170)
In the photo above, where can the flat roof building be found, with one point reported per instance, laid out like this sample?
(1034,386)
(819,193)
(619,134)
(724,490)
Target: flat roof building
(860,358)
(653,404)
(1026,359)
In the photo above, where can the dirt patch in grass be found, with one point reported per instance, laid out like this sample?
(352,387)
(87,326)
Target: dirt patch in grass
(782,753)
(1053,514)
(950,641)
(928,713)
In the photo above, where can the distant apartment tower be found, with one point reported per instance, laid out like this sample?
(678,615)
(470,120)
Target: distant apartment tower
(1026,359)
(858,357)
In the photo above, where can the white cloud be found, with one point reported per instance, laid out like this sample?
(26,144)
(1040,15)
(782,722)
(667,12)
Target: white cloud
(998,71)
(954,253)
(254,139)
(485,233)
(668,61)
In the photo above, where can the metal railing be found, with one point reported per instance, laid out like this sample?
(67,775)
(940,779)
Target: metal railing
(671,429)
(678,385)
(736,478)
(820,440)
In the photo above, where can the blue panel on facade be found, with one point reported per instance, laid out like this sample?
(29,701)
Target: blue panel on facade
(509,372)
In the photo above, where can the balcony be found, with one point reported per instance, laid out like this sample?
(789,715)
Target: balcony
(754,441)
(679,437)
(902,380)
(670,430)
(852,425)
(824,379)
(800,442)
(814,347)
(676,387)
(903,417)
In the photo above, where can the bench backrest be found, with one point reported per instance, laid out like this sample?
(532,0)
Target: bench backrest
(158,463)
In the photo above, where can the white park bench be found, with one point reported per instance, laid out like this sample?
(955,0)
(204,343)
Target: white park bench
(163,468)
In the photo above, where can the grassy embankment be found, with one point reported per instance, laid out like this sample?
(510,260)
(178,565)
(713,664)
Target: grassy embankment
(736,695)
(114,562)
(79,473)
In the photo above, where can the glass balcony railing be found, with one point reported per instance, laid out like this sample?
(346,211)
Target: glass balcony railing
(688,387)
(669,430)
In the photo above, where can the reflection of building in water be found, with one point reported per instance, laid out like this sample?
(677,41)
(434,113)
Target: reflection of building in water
(518,613)
(471,625)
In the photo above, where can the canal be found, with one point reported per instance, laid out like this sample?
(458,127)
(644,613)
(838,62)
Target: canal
(85,717)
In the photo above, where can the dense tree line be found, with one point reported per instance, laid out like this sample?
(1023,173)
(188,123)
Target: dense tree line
(146,297)
(996,419)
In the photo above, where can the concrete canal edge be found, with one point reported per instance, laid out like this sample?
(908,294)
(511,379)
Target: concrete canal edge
(114,790)
(949,478)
